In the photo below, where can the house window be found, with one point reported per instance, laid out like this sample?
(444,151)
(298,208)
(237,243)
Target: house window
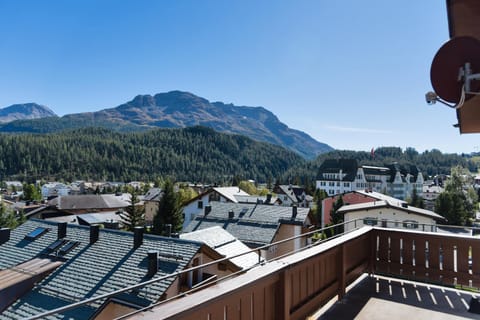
(410,224)
(200,204)
(346,184)
(369,221)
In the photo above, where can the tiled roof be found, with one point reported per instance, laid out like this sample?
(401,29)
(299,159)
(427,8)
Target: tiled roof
(100,217)
(379,196)
(89,201)
(293,192)
(111,263)
(255,199)
(230,192)
(348,167)
(253,224)
(153,194)
(399,205)
(225,243)
(376,171)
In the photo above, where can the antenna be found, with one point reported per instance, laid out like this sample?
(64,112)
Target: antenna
(452,72)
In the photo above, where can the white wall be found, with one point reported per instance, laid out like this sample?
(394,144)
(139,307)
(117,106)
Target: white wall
(191,210)
(390,214)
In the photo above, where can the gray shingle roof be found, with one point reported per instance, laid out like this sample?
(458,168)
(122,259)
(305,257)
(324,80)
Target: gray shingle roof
(398,205)
(154,194)
(109,264)
(256,199)
(253,224)
(230,192)
(348,167)
(225,243)
(89,201)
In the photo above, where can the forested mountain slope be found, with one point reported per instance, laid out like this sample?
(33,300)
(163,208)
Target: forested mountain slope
(193,154)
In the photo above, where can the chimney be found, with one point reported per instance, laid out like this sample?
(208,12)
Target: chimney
(152,262)
(4,235)
(208,209)
(168,229)
(294,212)
(269,198)
(62,230)
(94,232)
(231,214)
(115,225)
(137,237)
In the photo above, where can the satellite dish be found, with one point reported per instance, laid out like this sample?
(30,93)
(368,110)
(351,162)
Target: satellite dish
(448,65)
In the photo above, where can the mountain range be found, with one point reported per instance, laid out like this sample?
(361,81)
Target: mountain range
(174,109)
(24,111)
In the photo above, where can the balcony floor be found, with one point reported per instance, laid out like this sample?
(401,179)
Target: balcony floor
(388,298)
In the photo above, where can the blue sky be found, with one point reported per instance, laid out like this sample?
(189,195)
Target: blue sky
(352,74)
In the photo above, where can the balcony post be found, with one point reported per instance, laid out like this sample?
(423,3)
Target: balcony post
(284,291)
(373,247)
(342,277)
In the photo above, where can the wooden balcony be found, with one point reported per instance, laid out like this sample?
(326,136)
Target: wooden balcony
(298,285)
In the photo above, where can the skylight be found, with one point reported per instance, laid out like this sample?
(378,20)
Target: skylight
(36,233)
(68,247)
(54,246)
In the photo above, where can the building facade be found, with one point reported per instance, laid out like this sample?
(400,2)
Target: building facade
(337,176)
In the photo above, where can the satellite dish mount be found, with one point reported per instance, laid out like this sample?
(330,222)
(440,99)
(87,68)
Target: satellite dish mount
(452,72)
(465,75)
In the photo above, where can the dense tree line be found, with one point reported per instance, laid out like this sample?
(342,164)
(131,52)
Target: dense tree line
(190,154)
(195,154)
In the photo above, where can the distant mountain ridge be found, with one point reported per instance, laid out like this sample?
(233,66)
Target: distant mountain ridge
(24,111)
(178,109)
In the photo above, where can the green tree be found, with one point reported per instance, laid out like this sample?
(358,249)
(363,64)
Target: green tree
(31,192)
(248,187)
(318,199)
(236,180)
(458,202)
(186,194)
(169,211)
(335,216)
(8,218)
(451,206)
(134,215)
(416,200)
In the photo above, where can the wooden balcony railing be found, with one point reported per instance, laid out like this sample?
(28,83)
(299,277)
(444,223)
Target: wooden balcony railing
(288,288)
(295,286)
(449,260)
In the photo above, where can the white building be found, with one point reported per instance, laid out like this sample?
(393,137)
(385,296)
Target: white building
(55,189)
(391,214)
(338,176)
(200,203)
